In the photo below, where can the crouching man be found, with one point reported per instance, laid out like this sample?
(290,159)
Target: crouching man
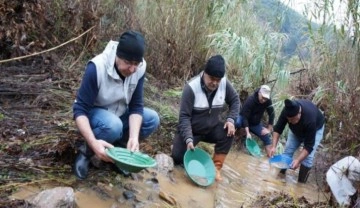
(202,104)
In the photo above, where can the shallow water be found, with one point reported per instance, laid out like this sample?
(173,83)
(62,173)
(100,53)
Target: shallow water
(244,177)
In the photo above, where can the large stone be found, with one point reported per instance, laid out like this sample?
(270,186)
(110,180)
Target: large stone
(55,198)
(164,163)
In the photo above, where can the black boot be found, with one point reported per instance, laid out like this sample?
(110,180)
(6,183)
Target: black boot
(282,173)
(303,174)
(81,167)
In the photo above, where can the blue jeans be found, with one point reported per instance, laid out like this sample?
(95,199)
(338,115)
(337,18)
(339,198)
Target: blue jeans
(112,129)
(292,144)
(255,129)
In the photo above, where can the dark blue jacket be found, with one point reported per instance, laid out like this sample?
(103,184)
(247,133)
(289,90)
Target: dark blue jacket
(252,111)
(312,119)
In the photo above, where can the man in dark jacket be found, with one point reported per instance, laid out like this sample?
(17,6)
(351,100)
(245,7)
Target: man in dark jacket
(306,126)
(202,104)
(252,113)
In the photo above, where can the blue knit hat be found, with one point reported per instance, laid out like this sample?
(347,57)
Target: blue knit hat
(215,66)
(291,108)
(131,46)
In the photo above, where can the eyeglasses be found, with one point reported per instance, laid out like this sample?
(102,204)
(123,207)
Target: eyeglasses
(212,78)
(132,63)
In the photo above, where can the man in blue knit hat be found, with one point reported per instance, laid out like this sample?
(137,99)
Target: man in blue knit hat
(202,104)
(109,107)
(306,126)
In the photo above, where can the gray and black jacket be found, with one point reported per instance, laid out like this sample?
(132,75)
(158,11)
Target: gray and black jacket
(199,112)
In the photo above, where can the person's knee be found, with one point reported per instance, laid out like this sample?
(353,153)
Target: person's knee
(110,131)
(155,120)
(178,150)
(151,123)
(114,134)
(177,157)
(224,146)
(266,139)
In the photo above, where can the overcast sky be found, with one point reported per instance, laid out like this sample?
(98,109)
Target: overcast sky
(299,6)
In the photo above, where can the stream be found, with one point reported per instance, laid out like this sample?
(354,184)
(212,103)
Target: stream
(244,177)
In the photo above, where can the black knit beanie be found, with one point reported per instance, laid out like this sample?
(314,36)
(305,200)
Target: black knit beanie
(291,108)
(215,66)
(131,46)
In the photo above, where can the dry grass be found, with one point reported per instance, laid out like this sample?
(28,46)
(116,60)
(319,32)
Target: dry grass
(36,94)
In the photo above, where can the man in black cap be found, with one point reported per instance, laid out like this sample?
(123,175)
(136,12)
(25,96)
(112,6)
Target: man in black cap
(109,108)
(202,103)
(306,126)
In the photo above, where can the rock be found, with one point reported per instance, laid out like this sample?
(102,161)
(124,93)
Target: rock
(152,181)
(165,163)
(102,191)
(115,205)
(128,195)
(137,176)
(131,187)
(172,177)
(54,198)
(105,187)
(139,205)
(169,199)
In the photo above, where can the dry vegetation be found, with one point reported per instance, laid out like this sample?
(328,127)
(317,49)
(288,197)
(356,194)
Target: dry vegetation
(283,200)
(36,93)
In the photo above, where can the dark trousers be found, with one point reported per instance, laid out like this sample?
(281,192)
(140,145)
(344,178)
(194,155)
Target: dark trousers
(255,129)
(217,136)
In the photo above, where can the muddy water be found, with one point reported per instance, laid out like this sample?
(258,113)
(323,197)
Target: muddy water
(177,188)
(244,178)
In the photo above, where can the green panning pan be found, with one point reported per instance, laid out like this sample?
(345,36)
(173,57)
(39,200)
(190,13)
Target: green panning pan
(199,167)
(130,161)
(253,147)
